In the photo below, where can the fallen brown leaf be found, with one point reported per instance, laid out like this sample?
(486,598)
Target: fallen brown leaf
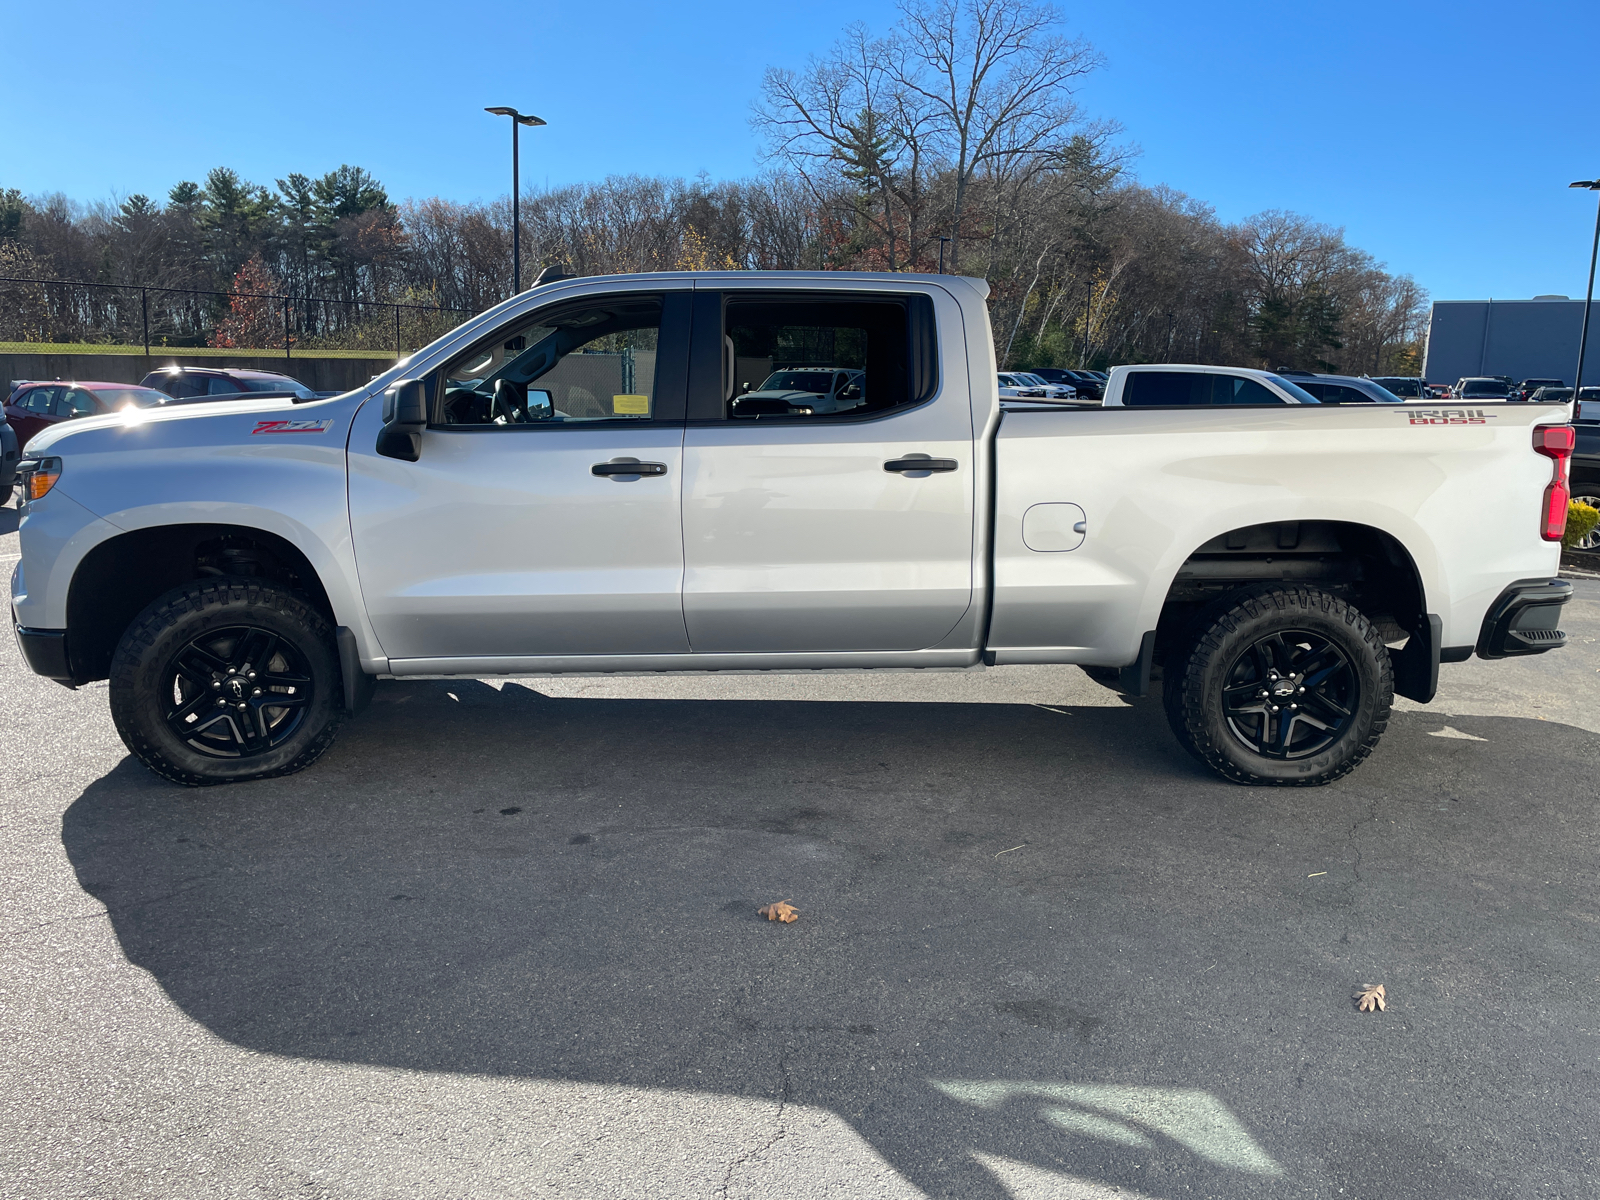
(1370,997)
(780,910)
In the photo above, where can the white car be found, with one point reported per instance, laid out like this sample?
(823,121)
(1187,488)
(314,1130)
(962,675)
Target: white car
(1052,391)
(810,391)
(1014,386)
(569,484)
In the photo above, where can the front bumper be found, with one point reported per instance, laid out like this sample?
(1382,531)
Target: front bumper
(45,652)
(1524,619)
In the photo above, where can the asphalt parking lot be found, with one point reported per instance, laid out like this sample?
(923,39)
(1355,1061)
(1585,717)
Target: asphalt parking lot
(502,941)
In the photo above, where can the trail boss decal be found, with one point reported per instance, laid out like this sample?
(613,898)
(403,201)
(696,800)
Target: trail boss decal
(1448,416)
(292,426)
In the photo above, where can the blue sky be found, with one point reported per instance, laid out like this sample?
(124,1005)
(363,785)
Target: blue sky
(1440,135)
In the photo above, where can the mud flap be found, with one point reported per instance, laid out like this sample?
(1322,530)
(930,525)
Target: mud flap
(1416,664)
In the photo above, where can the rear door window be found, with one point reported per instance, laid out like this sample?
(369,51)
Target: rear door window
(1183,388)
(800,357)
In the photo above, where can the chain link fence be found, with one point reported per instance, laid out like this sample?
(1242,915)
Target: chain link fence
(63,312)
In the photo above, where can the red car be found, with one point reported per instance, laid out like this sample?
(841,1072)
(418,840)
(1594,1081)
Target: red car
(36,406)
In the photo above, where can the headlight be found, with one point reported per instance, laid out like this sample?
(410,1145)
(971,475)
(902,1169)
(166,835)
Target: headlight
(38,476)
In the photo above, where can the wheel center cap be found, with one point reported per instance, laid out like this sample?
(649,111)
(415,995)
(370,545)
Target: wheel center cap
(236,686)
(1283,687)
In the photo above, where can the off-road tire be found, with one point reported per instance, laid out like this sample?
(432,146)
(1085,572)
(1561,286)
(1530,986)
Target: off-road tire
(1218,639)
(145,658)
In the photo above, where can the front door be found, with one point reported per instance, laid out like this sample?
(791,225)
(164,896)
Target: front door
(815,526)
(543,515)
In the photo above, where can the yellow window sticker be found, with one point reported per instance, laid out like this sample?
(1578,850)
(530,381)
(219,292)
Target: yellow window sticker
(627,406)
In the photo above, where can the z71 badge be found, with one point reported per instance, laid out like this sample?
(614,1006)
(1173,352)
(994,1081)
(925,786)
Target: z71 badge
(292,426)
(1445,416)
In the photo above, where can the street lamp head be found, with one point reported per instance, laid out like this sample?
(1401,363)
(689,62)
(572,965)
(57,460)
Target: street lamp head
(1592,184)
(519,118)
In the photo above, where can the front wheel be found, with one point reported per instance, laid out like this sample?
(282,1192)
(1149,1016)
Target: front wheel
(227,680)
(1282,686)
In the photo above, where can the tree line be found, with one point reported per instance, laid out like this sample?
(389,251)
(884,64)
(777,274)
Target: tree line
(953,135)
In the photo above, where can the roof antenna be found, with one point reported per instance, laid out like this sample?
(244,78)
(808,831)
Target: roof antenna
(552,275)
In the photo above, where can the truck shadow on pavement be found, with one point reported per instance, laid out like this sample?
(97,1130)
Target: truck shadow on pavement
(1040,935)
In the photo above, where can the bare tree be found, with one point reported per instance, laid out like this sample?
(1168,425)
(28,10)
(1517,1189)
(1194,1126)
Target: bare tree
(997,80)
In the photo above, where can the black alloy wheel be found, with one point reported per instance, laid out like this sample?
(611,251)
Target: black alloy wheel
(237,692)
(227,679)
(1278,684)
(1291,695)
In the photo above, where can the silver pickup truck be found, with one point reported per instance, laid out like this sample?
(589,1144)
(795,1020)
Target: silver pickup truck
(567,483)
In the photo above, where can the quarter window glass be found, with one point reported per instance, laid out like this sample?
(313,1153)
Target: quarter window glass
(1156,388)
(181,387)
(592,362)
(810,359)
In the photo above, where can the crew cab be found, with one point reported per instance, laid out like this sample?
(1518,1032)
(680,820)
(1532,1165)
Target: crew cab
(568,483)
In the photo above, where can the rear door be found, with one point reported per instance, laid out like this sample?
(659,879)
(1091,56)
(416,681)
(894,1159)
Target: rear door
(40,409)
(844,531)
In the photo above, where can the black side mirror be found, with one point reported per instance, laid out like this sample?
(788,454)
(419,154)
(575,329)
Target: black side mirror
(405,416)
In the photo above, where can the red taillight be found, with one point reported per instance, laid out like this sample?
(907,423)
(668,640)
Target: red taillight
(1556,499)
(1555,441)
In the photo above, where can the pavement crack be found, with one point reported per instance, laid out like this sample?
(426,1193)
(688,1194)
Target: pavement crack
(777,1132)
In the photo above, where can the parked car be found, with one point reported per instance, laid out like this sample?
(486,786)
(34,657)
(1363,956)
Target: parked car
(811,391)
(1407,387)
(1347,389)
(1014,387)
(1171,385)
(9,454)
(1526,389)
(1052,391)
(1563,395)
(1481,387)
(35,406)
(240,573)
(225,383)
(1082,382)
(1437,391)
(1089,384)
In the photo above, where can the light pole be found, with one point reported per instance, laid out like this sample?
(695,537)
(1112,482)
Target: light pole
(517,119)
(1592,185)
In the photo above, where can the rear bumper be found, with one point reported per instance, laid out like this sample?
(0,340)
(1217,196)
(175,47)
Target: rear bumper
(45,652)
(1524,619)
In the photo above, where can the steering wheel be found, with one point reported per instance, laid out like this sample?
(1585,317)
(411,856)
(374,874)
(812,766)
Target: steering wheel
(509,403)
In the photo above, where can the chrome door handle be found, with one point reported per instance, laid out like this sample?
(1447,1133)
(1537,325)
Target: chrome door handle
(625,470)
(919,462)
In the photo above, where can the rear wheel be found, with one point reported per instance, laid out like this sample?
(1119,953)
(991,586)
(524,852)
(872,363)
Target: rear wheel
(1589,545)
(224,681)
(1281,686)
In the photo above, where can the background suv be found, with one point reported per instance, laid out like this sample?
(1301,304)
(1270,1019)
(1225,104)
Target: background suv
(192,383)
(1346,389)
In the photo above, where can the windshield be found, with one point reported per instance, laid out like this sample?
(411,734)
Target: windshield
(1299,393)
(798,381)
(1386,395)
(1484,387)
(130,397)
